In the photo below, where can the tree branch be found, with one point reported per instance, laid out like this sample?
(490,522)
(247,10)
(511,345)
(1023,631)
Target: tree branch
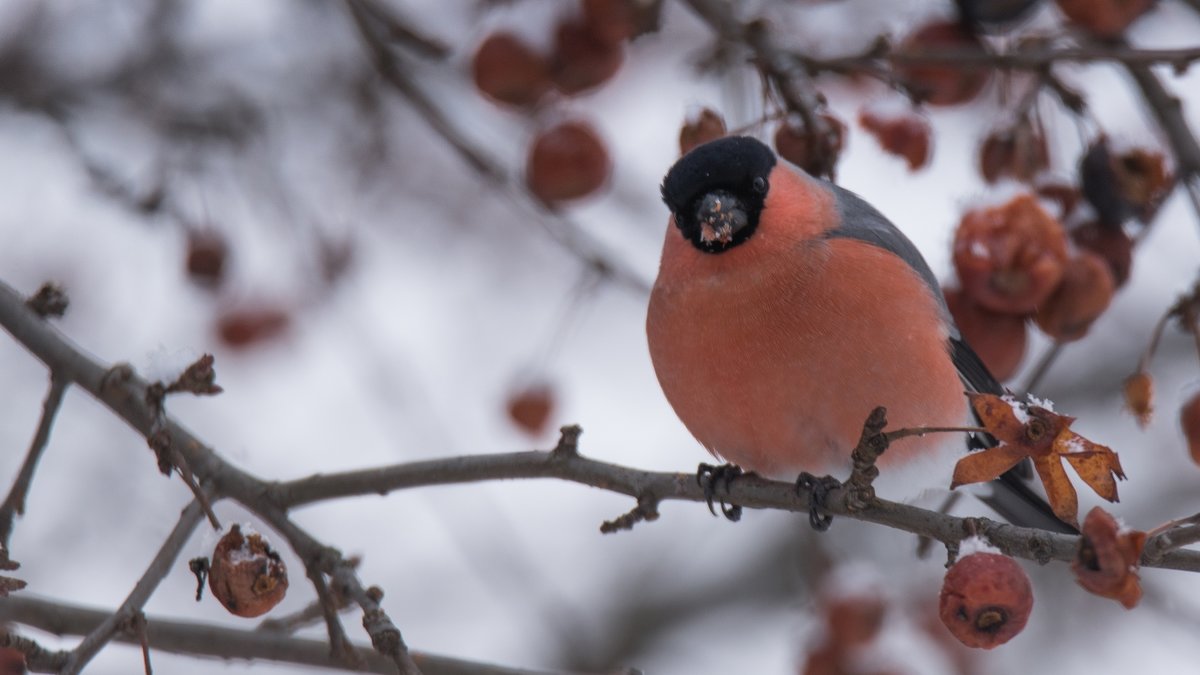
(271,500)
(748,491)
(126,395)
(14,503)
(201,639)
(1168,112)
(145,587)
(1033,59)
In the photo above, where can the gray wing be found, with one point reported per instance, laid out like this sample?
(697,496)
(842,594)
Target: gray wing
(862,221)
(1011,497)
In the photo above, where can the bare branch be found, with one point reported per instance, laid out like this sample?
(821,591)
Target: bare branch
(145,587)
(749,491)
(384,635)
(200,639)
(290,623)
(1167,110)
(1025,58)
(37,658)
(385,62)
(14,503)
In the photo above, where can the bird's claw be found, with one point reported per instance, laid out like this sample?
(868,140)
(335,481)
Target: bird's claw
(708,476)
(818,489)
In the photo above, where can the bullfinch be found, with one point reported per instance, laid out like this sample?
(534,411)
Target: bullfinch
(786,308)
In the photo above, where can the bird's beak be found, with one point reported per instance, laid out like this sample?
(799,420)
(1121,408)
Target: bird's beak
(720,215)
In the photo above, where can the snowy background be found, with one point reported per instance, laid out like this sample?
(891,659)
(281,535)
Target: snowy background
(454,296)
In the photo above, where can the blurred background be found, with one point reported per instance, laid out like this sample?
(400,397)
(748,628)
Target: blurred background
(338,201)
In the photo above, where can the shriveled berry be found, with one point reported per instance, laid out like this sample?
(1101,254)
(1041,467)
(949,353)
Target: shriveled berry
(986,599)
(1107,560)
(612,21)
(906,134)
(818,155)
(1084,293)
(1144,180)
(999,339)
(581,60)
(1121,185)
(1018,152)
(938,84)
(1139,396)
(567,162)
(1104,18)
(206,256)
(706,125)
(12,661)
(854,620)
(509,71)
(246,575)
(1010,258)
(1110,243)
(244,326)
(1189,420)
(529,407)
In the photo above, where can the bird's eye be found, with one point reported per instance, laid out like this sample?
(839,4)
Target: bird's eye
(760,185)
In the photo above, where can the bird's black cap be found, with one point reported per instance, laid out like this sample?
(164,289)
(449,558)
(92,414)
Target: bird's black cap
(737,167)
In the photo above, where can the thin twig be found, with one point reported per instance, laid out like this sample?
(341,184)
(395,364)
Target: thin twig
(385,636)
(340,645)
(1043,366)
(1169,536)
(14,503)
(290,623)
(145,587)
(37,658)
(385,64)
(1026,59)
(921,431)
(403,31)
(1167,110)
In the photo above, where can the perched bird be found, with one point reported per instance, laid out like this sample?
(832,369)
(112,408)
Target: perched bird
(786,308)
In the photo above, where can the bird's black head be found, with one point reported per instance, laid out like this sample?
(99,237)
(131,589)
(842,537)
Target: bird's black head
(717,191)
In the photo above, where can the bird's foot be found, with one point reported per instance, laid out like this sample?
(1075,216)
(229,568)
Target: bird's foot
(709,476)
(818,489)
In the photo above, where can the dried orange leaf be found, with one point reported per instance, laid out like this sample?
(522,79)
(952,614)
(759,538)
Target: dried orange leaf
(1139,396)
(1044,436)
(1096,464)
(1107,560)
(1059,491)
(980,467)
(997,416)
